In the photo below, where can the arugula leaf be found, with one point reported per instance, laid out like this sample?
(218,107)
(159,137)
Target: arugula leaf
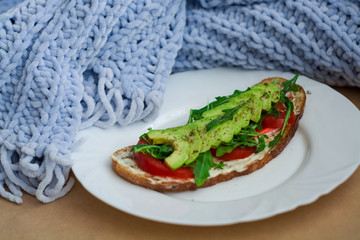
(157,151)
(144,136)
(288,86)
(229,115)
(196,114)
(225,148)
(275,140)
(246,137)
(261,144)
(289,107)
(273,111)
(203,163)
(275,81)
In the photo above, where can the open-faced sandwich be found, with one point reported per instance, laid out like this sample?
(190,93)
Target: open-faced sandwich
(231,136)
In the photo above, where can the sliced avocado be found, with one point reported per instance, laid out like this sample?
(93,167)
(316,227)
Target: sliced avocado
(193,138)
(271,88)
(215,135)
(206,141)
(190,140)
(241,120)
(264,95)
(225,130)
(233,102)
(255,108)
(218,111)
(178,142)
(264,92)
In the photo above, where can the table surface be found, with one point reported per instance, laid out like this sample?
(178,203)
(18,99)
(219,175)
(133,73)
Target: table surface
(79,215)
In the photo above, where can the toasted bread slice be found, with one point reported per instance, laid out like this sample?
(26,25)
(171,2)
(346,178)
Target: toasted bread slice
(125,166)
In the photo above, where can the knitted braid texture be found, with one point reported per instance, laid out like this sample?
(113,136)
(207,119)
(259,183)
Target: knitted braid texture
(320,39)
(66,65)
(70,64)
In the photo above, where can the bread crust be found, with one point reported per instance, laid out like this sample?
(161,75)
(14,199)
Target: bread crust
(128,169)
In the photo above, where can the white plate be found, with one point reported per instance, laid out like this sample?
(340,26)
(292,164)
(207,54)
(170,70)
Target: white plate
(323,153)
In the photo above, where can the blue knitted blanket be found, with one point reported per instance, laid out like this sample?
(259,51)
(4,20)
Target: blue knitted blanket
(66,65)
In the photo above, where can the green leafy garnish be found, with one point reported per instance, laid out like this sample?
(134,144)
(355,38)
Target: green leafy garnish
(272,111)
(203,163)
(275,81)
(157,151)
(248,137)
(196,114)
(229,115)
(288,86)
(145,136)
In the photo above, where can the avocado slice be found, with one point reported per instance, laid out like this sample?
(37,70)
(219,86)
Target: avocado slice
(177,141)
(272,89)
(264,96)
(192,136)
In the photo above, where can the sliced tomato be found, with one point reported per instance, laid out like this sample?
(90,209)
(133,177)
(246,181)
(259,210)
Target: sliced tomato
(292,118)
(280,107)
(270,123)
(236,153)
(156,167)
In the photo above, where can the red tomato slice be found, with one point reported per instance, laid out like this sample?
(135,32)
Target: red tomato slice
(282,109)
(270,123)
(156,167)
(237,153)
